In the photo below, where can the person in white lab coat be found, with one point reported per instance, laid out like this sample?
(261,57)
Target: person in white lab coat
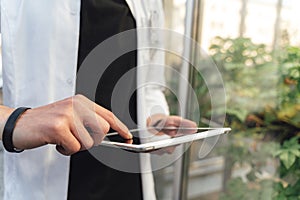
(41,53)
(1,81)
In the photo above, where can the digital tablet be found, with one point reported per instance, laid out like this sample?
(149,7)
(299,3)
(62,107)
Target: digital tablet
(158,138)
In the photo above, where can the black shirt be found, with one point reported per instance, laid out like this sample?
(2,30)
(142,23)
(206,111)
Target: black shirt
(89,178)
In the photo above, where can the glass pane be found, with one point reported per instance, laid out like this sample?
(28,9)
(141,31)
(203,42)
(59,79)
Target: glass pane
(259,59)
(255,46)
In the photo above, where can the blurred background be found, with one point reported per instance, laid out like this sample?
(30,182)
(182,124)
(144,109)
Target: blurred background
(255,45)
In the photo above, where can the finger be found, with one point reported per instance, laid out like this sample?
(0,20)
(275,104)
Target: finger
(180,122)
(173,126)
(158,152)
(183,131)
(116,124)
(161,151)
(97,127)
(156,131)
(98,138)
(172,133)
(69,145)
(129,141)
(96,124)
(188,123)
(82,135)
(113,121)
(170,150)
(87,116)
(179,131)
(62,150)
(176,126)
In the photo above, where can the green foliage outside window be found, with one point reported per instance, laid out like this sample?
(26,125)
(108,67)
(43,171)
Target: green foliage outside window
(263,109)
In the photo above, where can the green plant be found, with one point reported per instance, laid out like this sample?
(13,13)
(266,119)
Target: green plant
(284,186)
(244,66)
(263,110)
(289,155)
(272,83)
(263,91)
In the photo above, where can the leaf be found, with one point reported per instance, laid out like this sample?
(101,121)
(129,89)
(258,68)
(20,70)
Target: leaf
(277,153)
(239,113)
(287,158)
(278,187)
(281,197)
(296,152)
(292,143)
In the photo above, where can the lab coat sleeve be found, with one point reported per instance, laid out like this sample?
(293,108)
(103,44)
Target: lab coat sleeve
(0,15)
(1,79)
(155,76)
(154,91)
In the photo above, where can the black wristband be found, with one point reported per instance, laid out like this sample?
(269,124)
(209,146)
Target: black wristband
(7,136)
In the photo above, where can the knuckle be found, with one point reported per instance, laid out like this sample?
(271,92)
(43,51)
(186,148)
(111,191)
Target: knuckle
(89,144)
(68,102)
(105,127)
(79,97)
(74,148)
(60,123)
(67,107)
(110,116)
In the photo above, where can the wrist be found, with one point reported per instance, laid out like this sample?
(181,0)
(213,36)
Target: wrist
(5,113)
(8,130)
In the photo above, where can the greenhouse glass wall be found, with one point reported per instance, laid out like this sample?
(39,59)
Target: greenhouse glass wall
(255,45)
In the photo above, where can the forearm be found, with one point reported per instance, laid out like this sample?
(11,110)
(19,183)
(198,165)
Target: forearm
(64,123)
(4,114)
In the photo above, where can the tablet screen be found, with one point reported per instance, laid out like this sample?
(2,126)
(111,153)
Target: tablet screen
(118,138)
(154,134)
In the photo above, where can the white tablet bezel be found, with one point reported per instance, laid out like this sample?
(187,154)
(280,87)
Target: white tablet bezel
(155,145)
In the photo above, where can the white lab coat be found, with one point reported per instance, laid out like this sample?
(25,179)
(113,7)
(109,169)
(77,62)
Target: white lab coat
(1,81)
(39,48)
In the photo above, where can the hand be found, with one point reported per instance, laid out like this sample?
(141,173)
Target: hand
(73,124)
(171,125)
